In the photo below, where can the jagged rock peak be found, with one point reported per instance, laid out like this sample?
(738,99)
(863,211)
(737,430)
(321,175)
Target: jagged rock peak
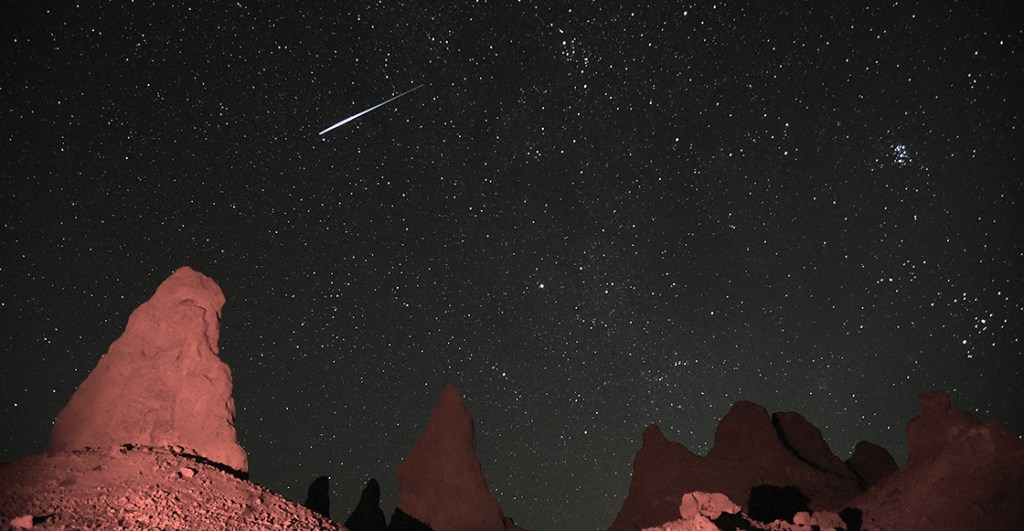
(440,482)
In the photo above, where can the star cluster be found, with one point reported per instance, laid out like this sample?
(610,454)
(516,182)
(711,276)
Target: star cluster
(589,219)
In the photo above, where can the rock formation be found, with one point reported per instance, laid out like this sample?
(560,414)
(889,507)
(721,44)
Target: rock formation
(709,505)
(318,496)
(871,463)
(960,474)
(162,382)
(440,482)
(712,511)
(806,442)
(751,448)
(660,473)
(367,515)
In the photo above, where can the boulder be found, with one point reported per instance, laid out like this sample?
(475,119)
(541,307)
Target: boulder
(162,383)
(710,505)
(711,511)
(871,463)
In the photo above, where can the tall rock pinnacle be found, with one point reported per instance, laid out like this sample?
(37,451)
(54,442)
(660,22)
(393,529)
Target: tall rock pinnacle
(440,482)
(162,383)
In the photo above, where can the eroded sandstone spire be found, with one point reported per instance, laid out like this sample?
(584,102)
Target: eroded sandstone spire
(162,383)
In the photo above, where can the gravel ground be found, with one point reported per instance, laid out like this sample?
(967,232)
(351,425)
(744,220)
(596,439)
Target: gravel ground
(139,488)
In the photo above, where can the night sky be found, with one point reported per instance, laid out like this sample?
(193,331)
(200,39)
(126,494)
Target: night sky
(588,219)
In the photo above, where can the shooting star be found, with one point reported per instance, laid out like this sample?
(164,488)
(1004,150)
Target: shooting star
(357,115)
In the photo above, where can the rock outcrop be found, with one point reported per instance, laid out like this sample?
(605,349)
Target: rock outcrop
(871,463)
(162,383)
(960,474)
(806,442)
(750,449)
(660,475)
(318,497)
(368,516)
(440,482)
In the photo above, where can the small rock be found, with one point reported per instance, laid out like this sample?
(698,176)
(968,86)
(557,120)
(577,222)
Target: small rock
(186,472)
(22,522)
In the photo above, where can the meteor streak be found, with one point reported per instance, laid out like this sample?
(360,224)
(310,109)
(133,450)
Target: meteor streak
(357,115)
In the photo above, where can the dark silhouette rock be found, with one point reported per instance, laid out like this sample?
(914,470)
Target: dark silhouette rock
(749,450)
(871,463)
(162,383)
(440,482)
(318,496)
(367,516)
(960,474)
(403,522)
(771,502)
(853,517)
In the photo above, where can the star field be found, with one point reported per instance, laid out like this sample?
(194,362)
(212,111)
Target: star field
(589,219)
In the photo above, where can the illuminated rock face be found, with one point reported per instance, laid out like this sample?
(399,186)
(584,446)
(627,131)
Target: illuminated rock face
(440,482)
(162,383)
